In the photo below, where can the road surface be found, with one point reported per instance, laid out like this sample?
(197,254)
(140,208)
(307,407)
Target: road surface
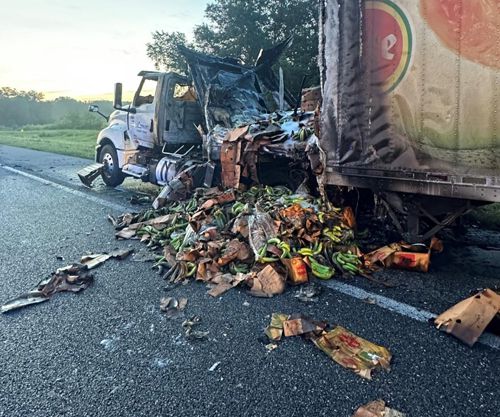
(109,351)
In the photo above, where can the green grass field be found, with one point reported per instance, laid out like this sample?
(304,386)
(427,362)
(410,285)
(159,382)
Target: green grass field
(76,142)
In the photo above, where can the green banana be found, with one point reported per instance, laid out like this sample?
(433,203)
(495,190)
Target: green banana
(305,252)
(319,270)
(265,260)
(191,269)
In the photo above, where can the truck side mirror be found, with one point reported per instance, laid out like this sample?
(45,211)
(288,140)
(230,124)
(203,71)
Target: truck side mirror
(93,108)
(117,103)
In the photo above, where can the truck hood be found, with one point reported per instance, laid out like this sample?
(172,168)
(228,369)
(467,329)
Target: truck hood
(117,116)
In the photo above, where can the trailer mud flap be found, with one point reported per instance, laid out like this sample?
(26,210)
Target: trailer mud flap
(88,174)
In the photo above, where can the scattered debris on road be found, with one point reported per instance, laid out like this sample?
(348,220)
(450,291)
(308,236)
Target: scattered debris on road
(468,319)
(377,408)
(343,346)
(190,333)
(308,293)
(172,306)
(71,278)
(94,260)
(214,367)
(88,174)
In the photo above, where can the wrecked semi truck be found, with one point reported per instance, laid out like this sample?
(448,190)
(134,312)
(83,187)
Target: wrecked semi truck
(410,112)
(410,105)
(178,124)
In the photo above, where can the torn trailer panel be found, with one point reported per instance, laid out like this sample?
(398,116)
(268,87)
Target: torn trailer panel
(405,109)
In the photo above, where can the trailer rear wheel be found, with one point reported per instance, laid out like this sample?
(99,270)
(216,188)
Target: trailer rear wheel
(112,175)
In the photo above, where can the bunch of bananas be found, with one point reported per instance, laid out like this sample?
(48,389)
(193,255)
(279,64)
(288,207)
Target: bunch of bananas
(180,270)
(347,262)
(319,270)
(176,242)
(315,250)
(238,208)
(335,234)
(283,246)
(262,258)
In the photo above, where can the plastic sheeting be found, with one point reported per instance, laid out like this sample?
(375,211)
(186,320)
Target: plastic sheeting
(232,94)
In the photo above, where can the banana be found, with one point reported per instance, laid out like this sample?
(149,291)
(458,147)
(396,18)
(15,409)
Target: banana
(318,248)
(265,260)
(305,252)
(319,270)
(237,208)
(191,269)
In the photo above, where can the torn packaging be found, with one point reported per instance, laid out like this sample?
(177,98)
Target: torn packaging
(72,278)
(301,326)
(404,256)
(377,409)
(267,283)
(469,318)
(353,352)
(94,260)
(344,347)
(275,330)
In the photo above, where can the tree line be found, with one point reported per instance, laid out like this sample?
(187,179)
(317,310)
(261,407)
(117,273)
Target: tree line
(19,108)
(240,28)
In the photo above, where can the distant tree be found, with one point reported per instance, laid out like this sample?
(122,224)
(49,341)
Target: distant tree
(20,108)
(164,52)
(240,28)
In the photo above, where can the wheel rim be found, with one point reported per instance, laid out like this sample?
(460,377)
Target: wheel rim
(108,162)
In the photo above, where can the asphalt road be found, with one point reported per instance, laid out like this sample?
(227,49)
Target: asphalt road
(109,351)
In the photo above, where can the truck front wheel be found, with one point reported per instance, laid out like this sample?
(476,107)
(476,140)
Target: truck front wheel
(112,175)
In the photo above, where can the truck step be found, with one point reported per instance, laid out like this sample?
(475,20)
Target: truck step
(88,174)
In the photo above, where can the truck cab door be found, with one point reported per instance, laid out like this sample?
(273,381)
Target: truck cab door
(179,113)
(141,122)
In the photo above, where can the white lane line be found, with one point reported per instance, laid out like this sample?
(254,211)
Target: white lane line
(403,309)
(109,204)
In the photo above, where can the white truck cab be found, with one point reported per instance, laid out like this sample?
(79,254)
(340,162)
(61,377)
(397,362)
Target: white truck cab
(142,138)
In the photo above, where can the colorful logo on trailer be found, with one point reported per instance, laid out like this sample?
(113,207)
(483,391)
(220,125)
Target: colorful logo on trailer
(389,38)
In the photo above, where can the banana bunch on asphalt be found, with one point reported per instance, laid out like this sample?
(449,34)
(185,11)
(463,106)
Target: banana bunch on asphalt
(348,262)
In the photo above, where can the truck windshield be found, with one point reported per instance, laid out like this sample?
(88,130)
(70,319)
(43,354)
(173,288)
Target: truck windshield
(146,93)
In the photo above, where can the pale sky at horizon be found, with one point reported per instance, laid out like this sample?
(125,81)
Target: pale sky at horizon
(80,49)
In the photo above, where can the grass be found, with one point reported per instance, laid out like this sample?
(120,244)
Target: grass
(487,216)
(72,142)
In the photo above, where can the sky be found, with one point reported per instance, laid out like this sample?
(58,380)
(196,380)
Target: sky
(81,48)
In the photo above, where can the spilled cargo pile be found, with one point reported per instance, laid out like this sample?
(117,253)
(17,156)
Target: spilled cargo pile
(264,237)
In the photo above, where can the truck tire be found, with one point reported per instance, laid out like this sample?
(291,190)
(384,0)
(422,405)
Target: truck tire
(112,175)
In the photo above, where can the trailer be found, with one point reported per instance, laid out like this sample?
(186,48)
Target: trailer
(410,109)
